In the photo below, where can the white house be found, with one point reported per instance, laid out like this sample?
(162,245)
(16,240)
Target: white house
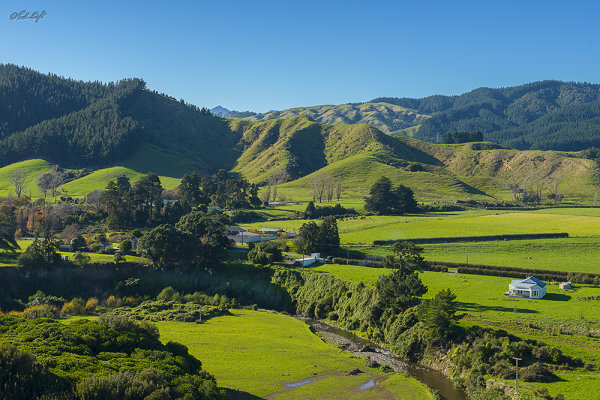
(306,261)
(531,287)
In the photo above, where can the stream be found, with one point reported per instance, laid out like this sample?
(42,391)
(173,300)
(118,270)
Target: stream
(354,344)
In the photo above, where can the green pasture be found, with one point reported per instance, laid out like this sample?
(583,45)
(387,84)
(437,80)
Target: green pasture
(570,254)
(559,319)
(10,259)
(259,352)
(366,229)
(32,169)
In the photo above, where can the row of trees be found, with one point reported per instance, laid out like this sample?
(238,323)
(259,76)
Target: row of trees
(218,190)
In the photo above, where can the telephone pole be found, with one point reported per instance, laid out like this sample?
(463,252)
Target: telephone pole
(517,372)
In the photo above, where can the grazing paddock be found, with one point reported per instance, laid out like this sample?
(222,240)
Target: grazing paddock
(259,352)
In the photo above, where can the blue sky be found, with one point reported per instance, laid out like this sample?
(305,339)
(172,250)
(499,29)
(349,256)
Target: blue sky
(265,55)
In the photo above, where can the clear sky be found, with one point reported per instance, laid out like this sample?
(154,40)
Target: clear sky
(263,55)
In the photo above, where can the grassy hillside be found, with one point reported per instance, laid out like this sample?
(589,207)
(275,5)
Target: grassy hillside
(98,180)
(299,146)
(358,173)
(33,169)
(383,116)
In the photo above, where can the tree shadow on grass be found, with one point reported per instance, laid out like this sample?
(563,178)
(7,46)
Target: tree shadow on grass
(474,307)
(239,395)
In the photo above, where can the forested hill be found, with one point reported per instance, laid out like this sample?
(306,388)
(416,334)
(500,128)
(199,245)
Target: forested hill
(547,115)
(91,124)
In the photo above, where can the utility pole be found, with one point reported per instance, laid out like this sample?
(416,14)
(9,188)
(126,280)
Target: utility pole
(517,372)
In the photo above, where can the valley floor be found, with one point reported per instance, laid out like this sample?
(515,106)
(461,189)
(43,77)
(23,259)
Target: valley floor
(260,354)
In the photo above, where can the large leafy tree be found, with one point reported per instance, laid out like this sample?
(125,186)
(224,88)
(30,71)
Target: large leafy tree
(385,199)
(209,231)
(166,246)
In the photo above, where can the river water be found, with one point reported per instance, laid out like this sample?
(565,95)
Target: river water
(354,344)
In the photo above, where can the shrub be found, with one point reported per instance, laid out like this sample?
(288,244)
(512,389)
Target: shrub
(136,233)
(111,301)
(75,306)
(95,247)
(168,294)
(125,246)
(81,259)
(40,311)
(91,304)
(118,257)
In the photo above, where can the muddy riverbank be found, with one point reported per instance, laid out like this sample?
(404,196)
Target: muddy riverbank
(371,351)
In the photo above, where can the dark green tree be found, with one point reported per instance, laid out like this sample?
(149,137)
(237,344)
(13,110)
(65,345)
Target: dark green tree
(380,199)
(310,211)
(385,199)
(209,231)
(41,253)
(307,240)
(406,256)
(7,235)
(167,246)
(329,237)
(438,315)
(265,253)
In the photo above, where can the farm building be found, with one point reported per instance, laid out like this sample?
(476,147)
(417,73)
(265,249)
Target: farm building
(565,285)
(247,237)
(234,230)
(531,287)
(306,261)
(273,231)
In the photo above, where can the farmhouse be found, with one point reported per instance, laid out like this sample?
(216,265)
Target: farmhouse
(531,287)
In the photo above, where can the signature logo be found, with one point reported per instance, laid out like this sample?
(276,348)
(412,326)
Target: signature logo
(25,15)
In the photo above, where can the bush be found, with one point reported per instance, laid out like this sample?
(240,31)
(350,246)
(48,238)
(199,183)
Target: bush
(40,311)
(111,302)
(265,253)
(537,372)
(125,246)
(81,259)
(136,233)
(74,307)
(91,304)
(169,294)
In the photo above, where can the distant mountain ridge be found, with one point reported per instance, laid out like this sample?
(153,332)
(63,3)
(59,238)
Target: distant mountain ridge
(545,115)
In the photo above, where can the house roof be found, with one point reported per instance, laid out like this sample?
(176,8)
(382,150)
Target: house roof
(270,230)
(235,228)
(527,283)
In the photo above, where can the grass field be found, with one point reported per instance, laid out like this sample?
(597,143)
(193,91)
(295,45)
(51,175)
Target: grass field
(260,352)
(32,169)
(571,255)
(560,319)
(366,229)
(10,259)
